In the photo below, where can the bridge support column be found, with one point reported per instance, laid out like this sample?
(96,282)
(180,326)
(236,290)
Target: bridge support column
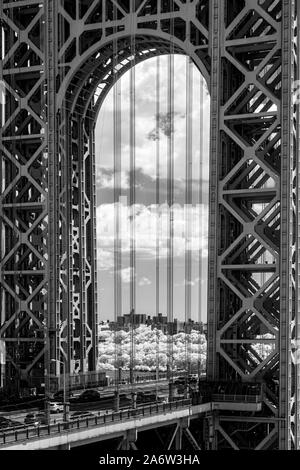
(129,440)
(134,399)
(66,413)
(171,391)
(211,426)
(117,401)
(178,438)
(183,429)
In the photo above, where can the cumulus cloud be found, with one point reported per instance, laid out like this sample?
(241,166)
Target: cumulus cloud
(146,119)
(152,224)
(144,281)
(106,177)
(165,125)
(126,274)
(192,283)
(105,258)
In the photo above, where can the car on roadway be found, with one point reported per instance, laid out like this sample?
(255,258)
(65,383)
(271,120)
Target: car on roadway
(56,407)
(149,397)
(10,425)
(59,395)
(31,419)
(35,419)
(89,395)
(42,418)
(4,423)
(145,397)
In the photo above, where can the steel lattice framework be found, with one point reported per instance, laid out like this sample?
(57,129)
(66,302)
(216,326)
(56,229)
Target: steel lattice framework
(58,61)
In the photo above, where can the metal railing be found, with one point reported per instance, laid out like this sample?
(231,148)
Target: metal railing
(236,398)
(11,436)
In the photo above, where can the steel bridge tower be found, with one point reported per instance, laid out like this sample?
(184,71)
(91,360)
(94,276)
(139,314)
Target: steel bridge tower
(55,55)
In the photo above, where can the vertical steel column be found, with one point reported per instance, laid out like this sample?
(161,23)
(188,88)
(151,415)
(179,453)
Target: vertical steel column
(51,322)
(252,192)
(24,216)
(216,39)
(296,355)
(287,243)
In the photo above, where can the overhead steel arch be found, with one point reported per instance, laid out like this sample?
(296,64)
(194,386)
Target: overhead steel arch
(143,37)
(103,75)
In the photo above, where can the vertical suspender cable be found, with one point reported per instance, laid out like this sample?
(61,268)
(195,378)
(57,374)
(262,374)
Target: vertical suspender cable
(117,208)
(132,198)
(157,259)
(200,215)
(188,211)
(170,197)
(118,189)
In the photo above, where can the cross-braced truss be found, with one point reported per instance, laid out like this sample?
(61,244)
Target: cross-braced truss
(58,61)
(254,204)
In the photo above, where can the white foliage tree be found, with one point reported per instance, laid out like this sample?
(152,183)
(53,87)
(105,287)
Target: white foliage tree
(151,348)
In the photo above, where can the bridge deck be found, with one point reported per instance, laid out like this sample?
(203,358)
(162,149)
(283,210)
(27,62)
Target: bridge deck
(94,429)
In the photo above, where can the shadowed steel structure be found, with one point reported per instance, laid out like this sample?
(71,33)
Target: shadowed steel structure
(59,59)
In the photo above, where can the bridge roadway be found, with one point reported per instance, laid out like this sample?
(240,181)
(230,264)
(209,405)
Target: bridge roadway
(99,428)
(160,387)
(128,388)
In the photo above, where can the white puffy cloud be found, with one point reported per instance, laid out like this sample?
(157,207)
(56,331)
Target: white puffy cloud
(126,275)
(192,282)
(106,179)
(144,281)
(145,120)
(149,220)
(105,258)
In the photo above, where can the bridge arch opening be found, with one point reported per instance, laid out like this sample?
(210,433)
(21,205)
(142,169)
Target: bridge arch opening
(152,241)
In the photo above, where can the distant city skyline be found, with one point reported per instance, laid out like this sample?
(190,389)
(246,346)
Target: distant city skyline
(147,212)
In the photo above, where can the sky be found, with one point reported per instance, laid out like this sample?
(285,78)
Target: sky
(189,221)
